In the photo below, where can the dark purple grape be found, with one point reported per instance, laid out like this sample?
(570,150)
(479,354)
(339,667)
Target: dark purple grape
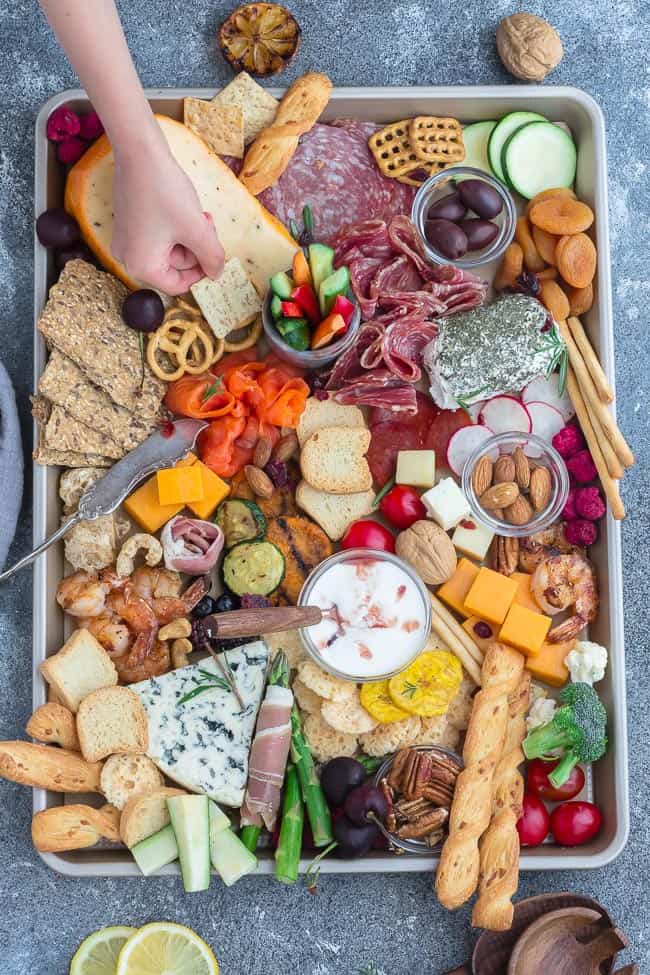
(78,252)
(449,207)
(143,310)
(480,197)
(479,233)
(56,228)
(353,841)
(446,237)
(365,799)
(339,776)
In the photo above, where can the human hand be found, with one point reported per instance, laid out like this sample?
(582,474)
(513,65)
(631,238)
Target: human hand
(160,234)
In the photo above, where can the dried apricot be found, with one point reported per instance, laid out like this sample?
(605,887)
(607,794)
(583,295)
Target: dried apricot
(532,260)
(580,299)
(545,244)
(512,264)
(555,300)
(548,274)
(562,216)
(575,256)
(563,192)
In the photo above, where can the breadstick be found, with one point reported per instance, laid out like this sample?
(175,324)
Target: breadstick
(471,809)
(610,486)
(269,155)
(614,465)
(462,635)
(72,827)
(54,725)
(592,362)
(44,767)
(441,629)
(499,846)
(590,395)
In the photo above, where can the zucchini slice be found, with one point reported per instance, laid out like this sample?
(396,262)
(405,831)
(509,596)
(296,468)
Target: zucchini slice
(539,156)
(253,567)
(240,521)
(500,135)
(475,138)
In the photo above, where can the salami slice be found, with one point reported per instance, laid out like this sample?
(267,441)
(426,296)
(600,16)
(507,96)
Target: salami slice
(392,432)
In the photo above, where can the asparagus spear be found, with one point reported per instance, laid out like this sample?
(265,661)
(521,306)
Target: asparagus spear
(250,837)
(287,855)
(320,819)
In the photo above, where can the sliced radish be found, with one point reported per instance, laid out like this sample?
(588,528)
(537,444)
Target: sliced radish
(475,410)
(463,443)
(505,414)
(547,421)
(547,390)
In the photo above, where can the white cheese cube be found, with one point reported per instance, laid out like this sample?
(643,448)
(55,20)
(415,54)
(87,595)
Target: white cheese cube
(446,503)
(416,467)
(473,539)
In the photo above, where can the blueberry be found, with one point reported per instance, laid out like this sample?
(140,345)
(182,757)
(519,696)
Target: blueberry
(205,607)
(226,602)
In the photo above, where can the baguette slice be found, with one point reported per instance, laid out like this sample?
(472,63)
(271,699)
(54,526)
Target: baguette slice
(112,721)
(44,767)
(145,815)
(72,827)
(126,776)
(54,725)
(80,667)
(333,460)
(333,512)
(320,413)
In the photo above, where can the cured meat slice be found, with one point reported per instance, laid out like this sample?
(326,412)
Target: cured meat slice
(268,759)
(368,239)
(394,394)
(403,346)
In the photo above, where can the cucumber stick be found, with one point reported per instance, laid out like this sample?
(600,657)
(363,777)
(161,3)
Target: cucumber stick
(156,851)
(230,858)
(539,156)
(190,820)
(500,135)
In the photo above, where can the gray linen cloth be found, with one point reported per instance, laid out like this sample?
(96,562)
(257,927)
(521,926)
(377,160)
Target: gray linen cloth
(11,464)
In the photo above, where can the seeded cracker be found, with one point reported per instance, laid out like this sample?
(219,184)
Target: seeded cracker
(326,743)
(220,126)
(82,318)
(63,432)
(257,105)
(229,302)
(324,684)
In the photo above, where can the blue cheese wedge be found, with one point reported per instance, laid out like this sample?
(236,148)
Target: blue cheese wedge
(203,744)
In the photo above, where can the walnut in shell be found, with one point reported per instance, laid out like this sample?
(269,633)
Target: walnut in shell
(528,46)
(429,550)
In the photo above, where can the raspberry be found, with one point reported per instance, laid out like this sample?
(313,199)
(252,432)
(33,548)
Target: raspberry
(90,126)
(589,503)
(569,510)
(582,467)
(70,151)
(62,124)
(581,532)
(568,441)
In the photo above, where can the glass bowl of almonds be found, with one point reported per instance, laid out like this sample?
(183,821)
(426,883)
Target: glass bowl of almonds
(516,484)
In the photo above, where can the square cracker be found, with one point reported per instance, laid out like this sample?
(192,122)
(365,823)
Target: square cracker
(61,431)
(257,105)
(220,126)
(228,302)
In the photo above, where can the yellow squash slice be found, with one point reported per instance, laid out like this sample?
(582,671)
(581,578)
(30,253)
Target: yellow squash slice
(429,685)
(377,702)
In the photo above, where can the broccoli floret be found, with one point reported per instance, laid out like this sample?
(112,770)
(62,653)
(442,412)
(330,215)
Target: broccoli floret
(578,727)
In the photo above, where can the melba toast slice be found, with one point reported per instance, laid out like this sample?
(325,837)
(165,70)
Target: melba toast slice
(333,460)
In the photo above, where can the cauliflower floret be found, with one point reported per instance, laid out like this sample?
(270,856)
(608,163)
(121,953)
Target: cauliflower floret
(587,662)
(541,713)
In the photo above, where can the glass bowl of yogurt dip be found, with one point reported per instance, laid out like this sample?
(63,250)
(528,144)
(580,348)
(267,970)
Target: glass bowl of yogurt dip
(376,615)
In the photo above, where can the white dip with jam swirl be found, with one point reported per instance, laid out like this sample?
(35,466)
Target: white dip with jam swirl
(374,617)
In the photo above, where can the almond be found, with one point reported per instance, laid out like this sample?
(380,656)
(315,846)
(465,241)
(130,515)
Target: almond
(259,482)
(285,448)
(482,475)
(504,469)
(499,495)
(522,468)
(541,488)
(262,454)
(519,512)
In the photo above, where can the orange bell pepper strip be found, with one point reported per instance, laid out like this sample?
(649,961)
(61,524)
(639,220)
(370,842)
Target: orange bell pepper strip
(300,271)
(327,330)
(202,397)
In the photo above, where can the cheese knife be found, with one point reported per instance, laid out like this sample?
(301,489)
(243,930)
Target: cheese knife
(257,622)
(162,449)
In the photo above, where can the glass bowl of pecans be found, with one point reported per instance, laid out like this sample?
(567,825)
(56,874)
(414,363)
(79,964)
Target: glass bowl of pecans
(418,784)
(516,484)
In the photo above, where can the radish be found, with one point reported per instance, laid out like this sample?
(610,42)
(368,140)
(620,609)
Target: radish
(547,421)
(463,443)
(505,414)
(475,410)
(543,389)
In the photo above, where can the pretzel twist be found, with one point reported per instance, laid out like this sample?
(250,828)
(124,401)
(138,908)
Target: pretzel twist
(471,809)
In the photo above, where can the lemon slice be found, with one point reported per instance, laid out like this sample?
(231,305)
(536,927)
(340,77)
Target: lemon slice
(164,948)
(428,686)
(98,954)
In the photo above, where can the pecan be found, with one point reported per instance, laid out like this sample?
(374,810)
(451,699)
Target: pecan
(439,795)
(507,555)
(408,809)
(409,778)
(442,761)
(397,768)
(423,825)
(434,838)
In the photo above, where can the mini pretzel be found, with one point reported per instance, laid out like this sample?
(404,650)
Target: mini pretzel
(187,310)
(249,340)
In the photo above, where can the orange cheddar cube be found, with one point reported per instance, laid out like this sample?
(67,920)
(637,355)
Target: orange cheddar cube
(490,596)
(454,590)
(524,629)
(145,509)
(214,491)
(524,596)
(180,485)
(481,632)
(548,665)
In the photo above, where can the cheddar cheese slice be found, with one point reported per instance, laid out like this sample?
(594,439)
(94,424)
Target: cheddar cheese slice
(245,228)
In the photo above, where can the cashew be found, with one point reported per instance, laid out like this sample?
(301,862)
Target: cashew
(141,541)
(177,628)
(180,650)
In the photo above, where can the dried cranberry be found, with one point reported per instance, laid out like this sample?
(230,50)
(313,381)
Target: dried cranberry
(278,471)
(90,126)
(70,151)
(62,124)
(250,600)
(467,524)
(167,428)
(483,630)
(529,283)
(321,394)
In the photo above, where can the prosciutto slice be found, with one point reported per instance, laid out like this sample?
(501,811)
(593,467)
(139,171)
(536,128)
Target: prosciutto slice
(268,759)
(191,545)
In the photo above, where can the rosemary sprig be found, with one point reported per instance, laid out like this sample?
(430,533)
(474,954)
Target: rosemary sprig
(141,344)
(388,486)
(308,220)
(206,682)
(409,689)
(212,389)
(464,401)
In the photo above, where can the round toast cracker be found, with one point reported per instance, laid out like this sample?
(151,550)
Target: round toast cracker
(350,717)
(326,743)
(306,699)
(324,684)
(388,738)
(289,642)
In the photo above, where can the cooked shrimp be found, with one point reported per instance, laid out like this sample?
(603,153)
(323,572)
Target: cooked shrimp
(82,594)
(155,583)
(156,662)
(534,549)
(563,581)
(114,636)
(169,608)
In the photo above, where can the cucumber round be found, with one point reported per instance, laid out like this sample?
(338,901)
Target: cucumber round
(500,135)
(253,567)
(539,156)
(475,138)
(240,520)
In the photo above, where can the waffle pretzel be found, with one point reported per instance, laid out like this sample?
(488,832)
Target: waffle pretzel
(421,173)
(435,139)
(499,846)
(471,809)
(391,147)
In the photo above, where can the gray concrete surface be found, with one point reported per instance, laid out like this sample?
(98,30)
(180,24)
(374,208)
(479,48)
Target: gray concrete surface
(394,921)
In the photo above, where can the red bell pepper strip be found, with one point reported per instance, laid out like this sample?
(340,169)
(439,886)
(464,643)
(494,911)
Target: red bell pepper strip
(344,307)
(305,297)
(290,309)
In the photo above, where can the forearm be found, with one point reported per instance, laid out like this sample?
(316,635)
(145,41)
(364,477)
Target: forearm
(92,37)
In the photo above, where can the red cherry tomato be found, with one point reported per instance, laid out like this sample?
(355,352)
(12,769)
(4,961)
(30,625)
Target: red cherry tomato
(368,534)
(537,781)
(534,823)
(402,506)
(575,823)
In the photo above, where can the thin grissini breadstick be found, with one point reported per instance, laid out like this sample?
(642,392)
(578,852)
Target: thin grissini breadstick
(471,810)
(614,465)
(443,613)
(610,486)
(601,412)
(46,767)
(592,362)
(499,846)
(441,630)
